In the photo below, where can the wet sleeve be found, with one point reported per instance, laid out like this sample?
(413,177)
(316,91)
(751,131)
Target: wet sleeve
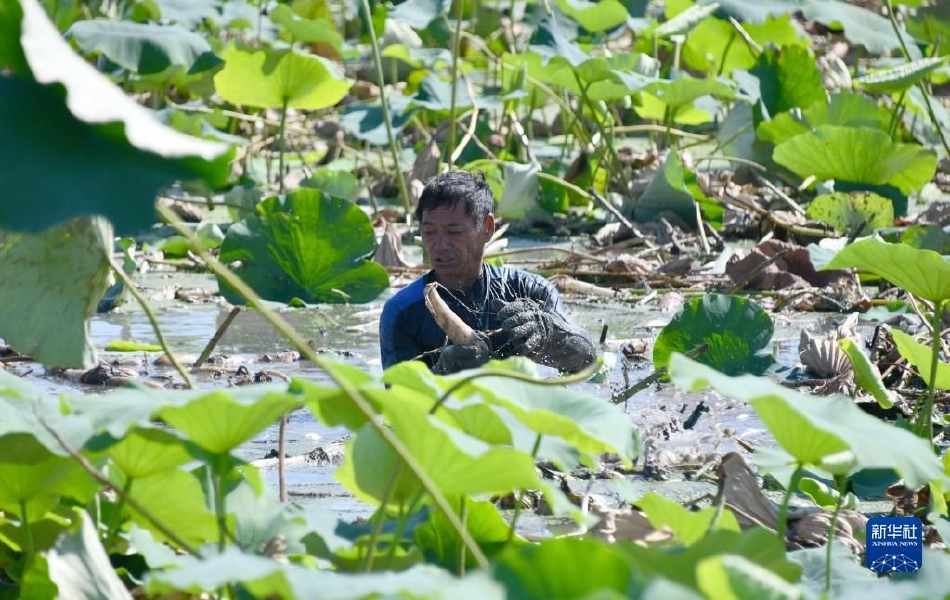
(396,344)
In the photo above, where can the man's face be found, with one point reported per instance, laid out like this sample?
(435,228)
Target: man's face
(455,244)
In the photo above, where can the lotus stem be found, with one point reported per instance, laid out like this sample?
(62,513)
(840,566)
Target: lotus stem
(923,89)
(384,104)
(839,484)
(117,519)
(281,460)
(514,518)
(280,147)
(27,533)
(353,393)
(151,318)
(220,511)
(783,511)
(381,518)
(456,48)
(925,416)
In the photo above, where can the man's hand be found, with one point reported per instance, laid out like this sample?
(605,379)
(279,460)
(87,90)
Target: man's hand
(458,358)
(528,327)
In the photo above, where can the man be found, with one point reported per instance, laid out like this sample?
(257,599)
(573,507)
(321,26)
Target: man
(520,313)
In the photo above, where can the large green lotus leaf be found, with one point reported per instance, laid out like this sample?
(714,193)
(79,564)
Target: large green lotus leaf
(681,92)
(442,546)
(857,155)
(855,213)
(145,452)
(831,433)
(597,16)
(272,78)
(727,576)
(176,499)
(688,527)
(549,41)
(331,405)
(714,46)
(30,473)
(788,78)
(127,155)
(263,577)
(921,357)
(305,245)
(309,31)
(144,48)
(900,78)
(923,273)
(436,94)
(844,108)
(365,122)
(220,421)
(340,184)
(419,13)
(80,567)
(566,568)
(927,237)
(456,462)
(676,189)
(62,272)
(735,329)
(519,198)
(861,26)
(681,565)
(591,426)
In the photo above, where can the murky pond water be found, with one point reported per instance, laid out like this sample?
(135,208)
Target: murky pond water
(349,333)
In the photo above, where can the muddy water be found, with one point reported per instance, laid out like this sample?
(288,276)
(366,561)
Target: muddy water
(349,333)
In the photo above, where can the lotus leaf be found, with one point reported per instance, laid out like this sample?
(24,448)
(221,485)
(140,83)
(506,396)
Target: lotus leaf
(681,565)
(365,122)
(676,97)
(31,475)
(145,452)
(923,273)
(310,31)
(735,329)
(144,48)
(276,78)
(98,117)
(844,108)
(441,543)
(755,12)
(596,16)
(419,13)
(340,184)
(861,26)
(565,568)
(866,374)
(831,433)
(456,462)
(176,499)
(519,198)
(900,78)
(927,237)
(80,567)
(190,13)
(921,357)
(858,155)
(548,41)
(788,78)
(682,22)
(676,189)
(62,272)
(331,405)
(714,46)
(293,248)
(266,578)
(727,576)
(852,214)
(688,527)
(219,421)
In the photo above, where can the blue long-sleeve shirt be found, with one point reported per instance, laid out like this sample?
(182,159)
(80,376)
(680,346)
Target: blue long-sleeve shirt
(407,329)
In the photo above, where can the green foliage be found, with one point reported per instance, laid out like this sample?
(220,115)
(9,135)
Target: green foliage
(844,108)
(788,78)
(62,272)
(716,47)
(735,330)
(672,101)
(923,273)
(832,434)
(276,78)
(291,249)
(310,31)
(920,356)
(900,78)
(82,109)
(144,48)
(688,527)
(857,155)
(130,346)
(676,189)
(866,374)
(854,213)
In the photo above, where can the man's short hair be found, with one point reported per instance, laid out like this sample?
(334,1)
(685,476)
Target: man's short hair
(458,187)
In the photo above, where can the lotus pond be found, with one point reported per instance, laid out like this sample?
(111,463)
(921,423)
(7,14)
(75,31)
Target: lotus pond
(206,203)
